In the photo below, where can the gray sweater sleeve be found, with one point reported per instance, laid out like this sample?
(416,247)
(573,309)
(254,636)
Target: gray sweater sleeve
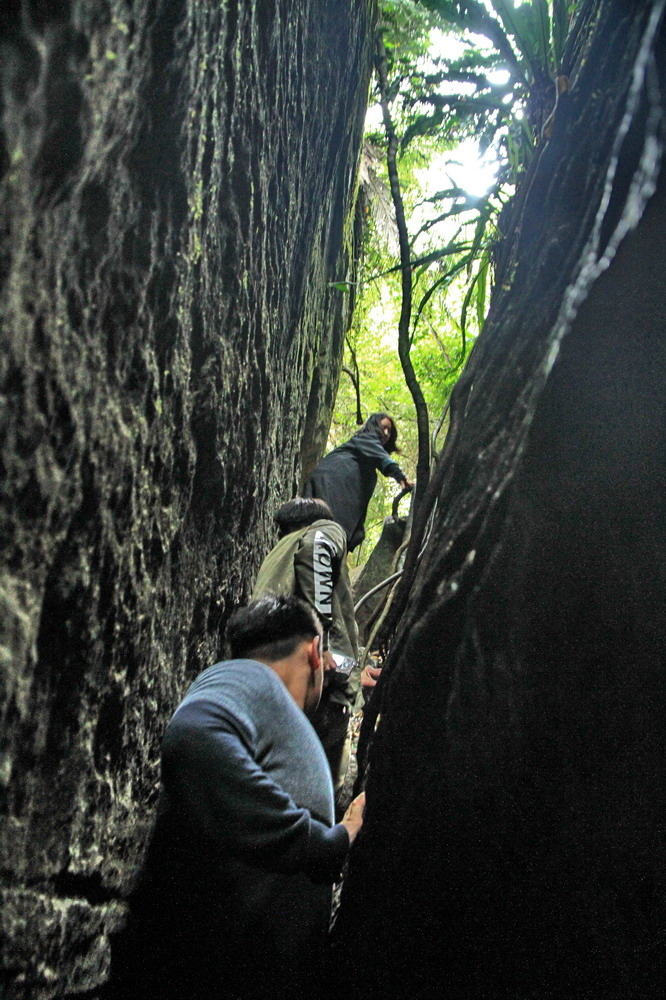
(216,786)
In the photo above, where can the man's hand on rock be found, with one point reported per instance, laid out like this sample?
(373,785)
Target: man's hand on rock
(370,676)
(353,818)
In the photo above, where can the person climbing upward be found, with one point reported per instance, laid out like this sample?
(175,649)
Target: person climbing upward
(346,478)
(310,562)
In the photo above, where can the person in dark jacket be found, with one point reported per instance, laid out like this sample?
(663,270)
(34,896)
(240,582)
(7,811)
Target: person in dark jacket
(347,476)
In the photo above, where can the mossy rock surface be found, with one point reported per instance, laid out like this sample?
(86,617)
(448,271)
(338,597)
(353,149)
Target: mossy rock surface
(177,194)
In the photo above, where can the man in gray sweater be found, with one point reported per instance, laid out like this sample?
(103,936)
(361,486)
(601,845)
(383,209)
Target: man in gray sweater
(235,896)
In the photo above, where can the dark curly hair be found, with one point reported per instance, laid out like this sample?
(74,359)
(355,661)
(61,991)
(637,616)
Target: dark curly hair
(371,426)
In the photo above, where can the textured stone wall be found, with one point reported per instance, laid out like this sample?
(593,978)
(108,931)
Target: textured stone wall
(177,184)
(513,839)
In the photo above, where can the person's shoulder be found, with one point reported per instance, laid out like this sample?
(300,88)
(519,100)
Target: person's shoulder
(343,452)
(366,441)
(231,675)
(242,692)
(324,524)
(331,529)
(241,663)
(223,667)
(245,668)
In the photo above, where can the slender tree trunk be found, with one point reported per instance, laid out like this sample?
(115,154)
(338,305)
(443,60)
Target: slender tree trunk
(404,323)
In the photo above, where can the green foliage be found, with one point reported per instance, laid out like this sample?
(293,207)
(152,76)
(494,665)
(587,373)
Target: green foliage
(405,25)
(526,40)
(439,347)
(440,100)
(562,11)
(528,27)
(458,71)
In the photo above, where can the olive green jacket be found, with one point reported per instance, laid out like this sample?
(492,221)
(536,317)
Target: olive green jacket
(312,564)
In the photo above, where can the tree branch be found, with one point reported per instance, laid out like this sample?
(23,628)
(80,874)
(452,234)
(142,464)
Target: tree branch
(423,463)
(355,382)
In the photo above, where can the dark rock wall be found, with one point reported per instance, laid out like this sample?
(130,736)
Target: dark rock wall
(513,843)
(379,567)
(177,190)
